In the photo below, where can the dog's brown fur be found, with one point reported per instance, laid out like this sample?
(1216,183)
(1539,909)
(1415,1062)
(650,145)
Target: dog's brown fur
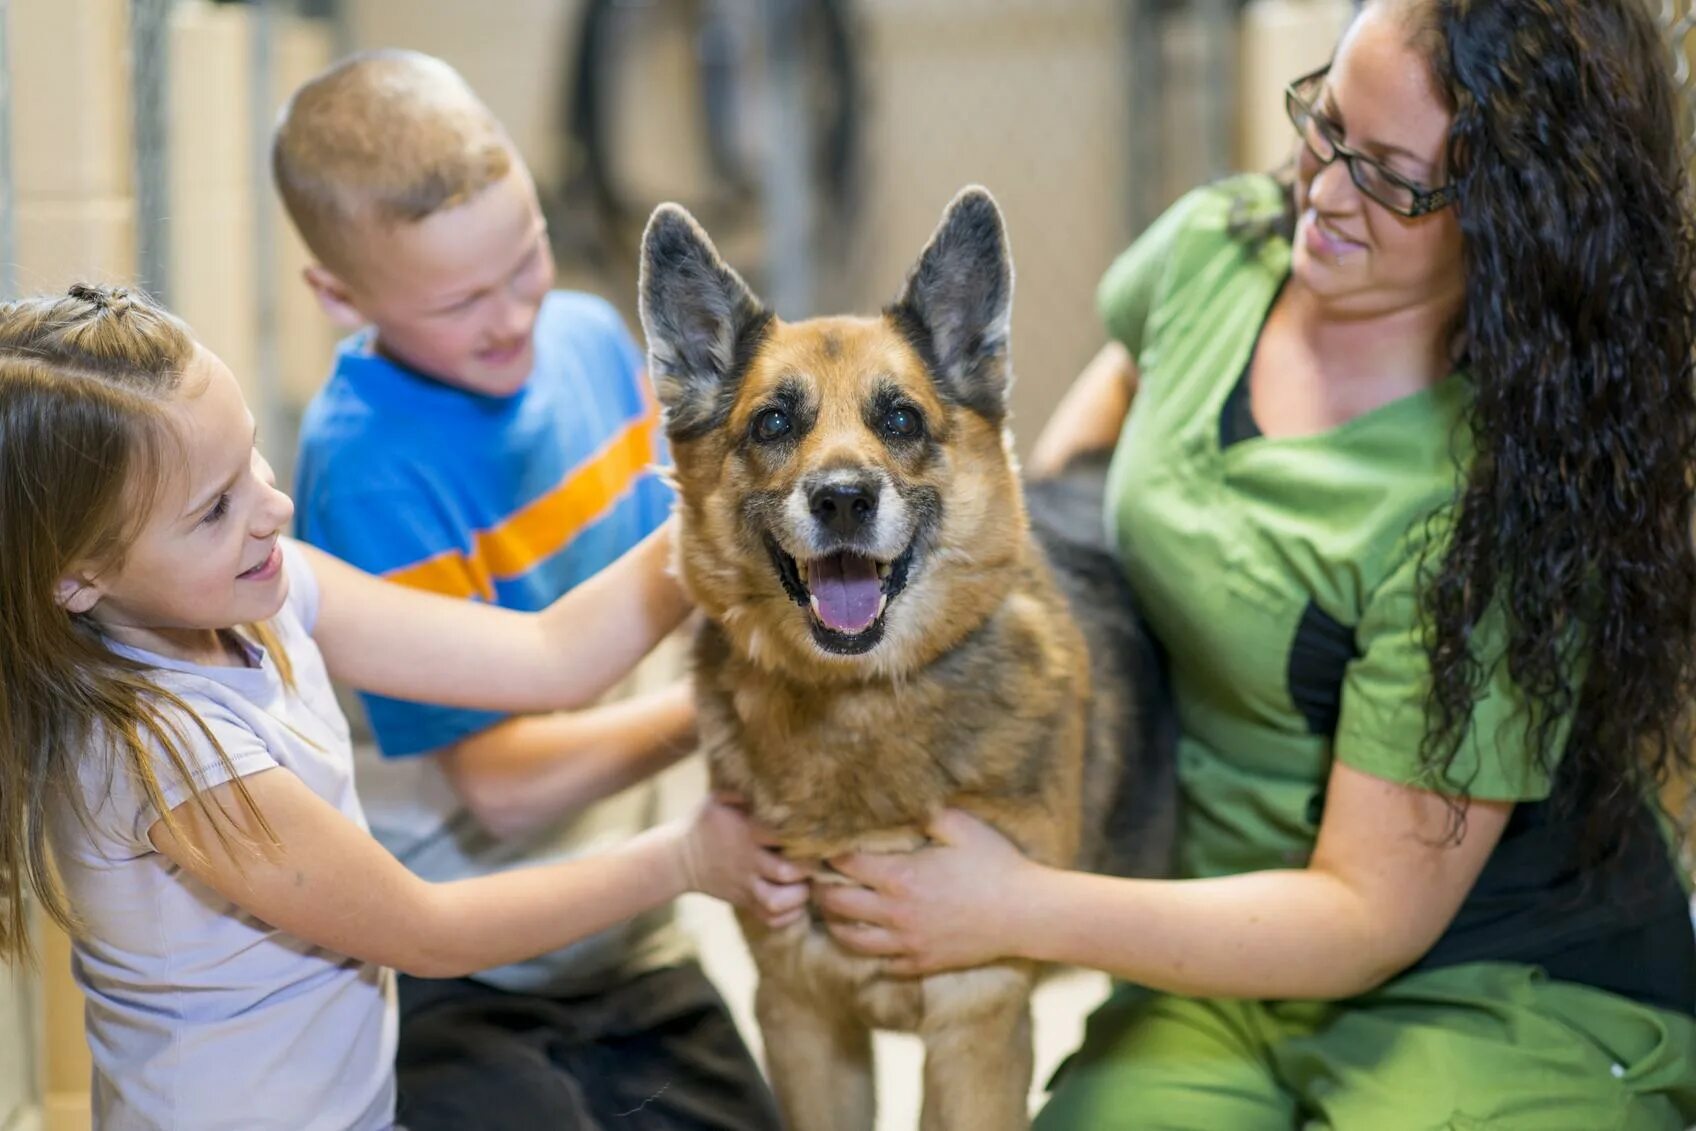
(977,695)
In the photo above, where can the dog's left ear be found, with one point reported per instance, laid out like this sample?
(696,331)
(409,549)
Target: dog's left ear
(957,306)
(701,321)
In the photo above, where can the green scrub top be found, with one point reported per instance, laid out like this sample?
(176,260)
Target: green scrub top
(1280,573)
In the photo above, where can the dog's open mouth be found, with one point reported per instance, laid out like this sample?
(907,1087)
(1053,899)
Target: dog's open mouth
(846,594)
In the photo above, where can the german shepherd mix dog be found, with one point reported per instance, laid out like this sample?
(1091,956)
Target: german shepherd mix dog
(883,638)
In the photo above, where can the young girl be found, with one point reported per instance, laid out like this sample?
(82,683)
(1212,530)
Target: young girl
(175,777)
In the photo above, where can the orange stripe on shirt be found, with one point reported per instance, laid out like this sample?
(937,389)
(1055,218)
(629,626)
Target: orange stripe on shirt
(544,527)
(450,573)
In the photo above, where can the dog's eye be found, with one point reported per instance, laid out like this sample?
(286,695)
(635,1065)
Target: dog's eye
(902,422)
(772,424)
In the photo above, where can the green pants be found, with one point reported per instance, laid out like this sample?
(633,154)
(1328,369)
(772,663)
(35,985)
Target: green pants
(1481,1046)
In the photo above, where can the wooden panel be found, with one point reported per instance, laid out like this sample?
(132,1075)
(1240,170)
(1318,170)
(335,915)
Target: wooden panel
(212,182)
(67,1063)
(19,1039)
(69,66)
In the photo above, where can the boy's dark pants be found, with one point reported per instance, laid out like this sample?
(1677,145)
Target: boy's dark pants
(658,1053)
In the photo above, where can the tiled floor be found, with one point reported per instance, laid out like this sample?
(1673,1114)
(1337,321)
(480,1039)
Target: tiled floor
(1060,1005)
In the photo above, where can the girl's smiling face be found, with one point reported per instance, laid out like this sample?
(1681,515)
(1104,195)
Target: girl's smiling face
(206,557)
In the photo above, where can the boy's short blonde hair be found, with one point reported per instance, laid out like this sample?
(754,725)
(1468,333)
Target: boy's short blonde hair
(382,138)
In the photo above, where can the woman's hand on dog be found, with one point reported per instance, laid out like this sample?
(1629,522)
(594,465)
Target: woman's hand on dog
(950,904)
(727,856)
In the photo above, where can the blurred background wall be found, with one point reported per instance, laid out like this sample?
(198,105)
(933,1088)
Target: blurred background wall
(139,131)
(817,141)
(1083,117)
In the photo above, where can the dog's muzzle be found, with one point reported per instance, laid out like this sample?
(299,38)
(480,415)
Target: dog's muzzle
(846,594)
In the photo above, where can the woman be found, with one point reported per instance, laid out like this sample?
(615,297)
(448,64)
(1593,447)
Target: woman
(1405,491)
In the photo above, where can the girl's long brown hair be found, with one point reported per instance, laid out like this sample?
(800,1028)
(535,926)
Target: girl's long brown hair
(86,381)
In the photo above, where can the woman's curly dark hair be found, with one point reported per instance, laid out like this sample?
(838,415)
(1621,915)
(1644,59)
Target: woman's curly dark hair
(1575,513)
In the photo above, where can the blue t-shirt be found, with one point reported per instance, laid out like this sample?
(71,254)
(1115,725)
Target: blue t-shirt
(511,500)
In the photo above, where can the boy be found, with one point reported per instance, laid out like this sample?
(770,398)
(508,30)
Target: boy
(488,438)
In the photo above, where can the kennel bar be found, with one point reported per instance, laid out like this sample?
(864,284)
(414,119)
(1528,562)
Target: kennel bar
(787,199)
(150,89)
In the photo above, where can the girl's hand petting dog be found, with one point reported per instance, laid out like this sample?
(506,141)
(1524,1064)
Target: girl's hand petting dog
(951,904)
(724,854)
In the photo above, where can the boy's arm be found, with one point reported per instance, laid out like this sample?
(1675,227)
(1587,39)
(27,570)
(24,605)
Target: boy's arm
(400,642)
(531,770)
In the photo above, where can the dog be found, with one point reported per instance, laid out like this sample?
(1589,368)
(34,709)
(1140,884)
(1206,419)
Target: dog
(883,637)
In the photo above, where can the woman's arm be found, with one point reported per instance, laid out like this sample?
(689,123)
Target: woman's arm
(532,770)
(328,882)
(1383,884)
(1090,415)
(400,642)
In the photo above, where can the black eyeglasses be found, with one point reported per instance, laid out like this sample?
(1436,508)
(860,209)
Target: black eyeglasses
(1391,189)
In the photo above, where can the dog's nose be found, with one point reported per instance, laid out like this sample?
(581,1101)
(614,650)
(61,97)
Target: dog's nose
(843,508)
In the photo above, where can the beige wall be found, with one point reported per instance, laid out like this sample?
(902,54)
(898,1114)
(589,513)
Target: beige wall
(71,150)
(66,1063)
(76,208)
(212,183)
(219,185)
(513,52)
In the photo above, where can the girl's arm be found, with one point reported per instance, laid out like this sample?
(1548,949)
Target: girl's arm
(1384,883)
(1090,415)
(328,882)
(395,641)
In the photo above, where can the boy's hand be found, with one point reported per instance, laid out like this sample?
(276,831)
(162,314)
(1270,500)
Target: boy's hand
(725,855)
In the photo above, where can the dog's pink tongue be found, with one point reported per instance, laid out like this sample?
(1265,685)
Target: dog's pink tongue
(847,588)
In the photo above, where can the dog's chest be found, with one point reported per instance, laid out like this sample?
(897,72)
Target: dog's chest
(830,769)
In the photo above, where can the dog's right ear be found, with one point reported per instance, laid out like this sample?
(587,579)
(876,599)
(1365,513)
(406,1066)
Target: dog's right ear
(957,306)
(701,320)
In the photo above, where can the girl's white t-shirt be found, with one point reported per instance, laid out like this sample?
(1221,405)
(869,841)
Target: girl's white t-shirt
(199,1015)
